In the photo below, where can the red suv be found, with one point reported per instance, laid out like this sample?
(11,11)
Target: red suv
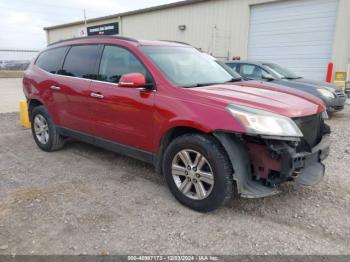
(210,134)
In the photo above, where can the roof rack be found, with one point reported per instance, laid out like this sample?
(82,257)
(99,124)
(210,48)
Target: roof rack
(95,36)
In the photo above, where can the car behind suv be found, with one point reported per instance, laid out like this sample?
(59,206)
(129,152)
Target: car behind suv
(169,105)
(333,97)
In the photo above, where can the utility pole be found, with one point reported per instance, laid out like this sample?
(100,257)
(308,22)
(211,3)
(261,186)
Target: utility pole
(85,22)
(84,13)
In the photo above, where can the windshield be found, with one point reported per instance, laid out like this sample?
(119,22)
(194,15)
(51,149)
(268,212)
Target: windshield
(232,72)
(187,67)
(281,72)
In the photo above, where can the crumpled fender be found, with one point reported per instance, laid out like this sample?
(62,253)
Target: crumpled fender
(240,161)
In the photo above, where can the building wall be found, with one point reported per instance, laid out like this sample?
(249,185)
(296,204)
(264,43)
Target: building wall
(219,27)
(341,45)
(62,33)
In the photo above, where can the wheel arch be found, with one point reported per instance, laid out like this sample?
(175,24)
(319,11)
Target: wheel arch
(169,136)
(32,103)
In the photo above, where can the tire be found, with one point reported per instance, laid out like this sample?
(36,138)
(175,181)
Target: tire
(52,140)
(218,187)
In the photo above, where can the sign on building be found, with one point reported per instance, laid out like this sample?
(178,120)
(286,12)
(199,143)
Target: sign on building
(82,32)
(105,29)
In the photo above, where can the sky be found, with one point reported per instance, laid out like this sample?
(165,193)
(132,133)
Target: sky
(22,21)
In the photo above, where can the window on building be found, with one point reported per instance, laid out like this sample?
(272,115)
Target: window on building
(81,61)
(51,59)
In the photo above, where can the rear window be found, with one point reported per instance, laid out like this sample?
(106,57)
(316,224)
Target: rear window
(80,62)
(51,59)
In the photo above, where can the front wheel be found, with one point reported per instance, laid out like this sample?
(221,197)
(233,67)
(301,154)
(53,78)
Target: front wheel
(198,172)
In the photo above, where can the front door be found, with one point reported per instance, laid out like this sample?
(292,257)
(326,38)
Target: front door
(122,115)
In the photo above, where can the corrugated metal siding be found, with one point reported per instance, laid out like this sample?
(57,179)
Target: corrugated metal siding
(207,25)
(297,34)
(228,38)
(341,45)
(219,27)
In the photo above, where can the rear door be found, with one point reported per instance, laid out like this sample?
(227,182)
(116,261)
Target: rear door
(49,63)
(74,80)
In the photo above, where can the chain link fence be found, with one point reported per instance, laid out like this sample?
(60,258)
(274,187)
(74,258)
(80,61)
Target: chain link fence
(16,59)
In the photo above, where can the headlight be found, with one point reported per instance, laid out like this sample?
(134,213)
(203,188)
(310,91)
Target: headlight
(262,122)
(326,93)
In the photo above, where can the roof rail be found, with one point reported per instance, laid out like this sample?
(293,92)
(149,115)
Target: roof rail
(95,36)
(177,42)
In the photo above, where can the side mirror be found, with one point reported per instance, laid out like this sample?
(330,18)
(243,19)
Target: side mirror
(133,80)
(268,77)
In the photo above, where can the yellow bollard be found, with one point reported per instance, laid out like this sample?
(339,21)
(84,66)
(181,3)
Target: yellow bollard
(23,114)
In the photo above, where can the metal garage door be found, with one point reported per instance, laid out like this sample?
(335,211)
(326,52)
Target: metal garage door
(296,34)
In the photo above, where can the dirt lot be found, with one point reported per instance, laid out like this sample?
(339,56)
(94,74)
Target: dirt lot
(85,200)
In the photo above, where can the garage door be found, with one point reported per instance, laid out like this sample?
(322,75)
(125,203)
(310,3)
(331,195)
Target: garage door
(296,34)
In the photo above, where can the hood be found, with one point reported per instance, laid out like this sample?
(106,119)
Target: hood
(299,86)
(273,98)
(318,84)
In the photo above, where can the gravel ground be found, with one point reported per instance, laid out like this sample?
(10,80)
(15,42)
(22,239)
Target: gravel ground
(85,200)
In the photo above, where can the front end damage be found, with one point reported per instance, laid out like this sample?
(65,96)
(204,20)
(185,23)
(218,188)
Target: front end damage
(262,163)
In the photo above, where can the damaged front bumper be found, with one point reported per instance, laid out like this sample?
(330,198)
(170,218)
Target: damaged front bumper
(261,165)
(306,168)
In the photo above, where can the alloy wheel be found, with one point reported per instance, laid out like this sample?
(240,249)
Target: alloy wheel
(192,174)
(41,129)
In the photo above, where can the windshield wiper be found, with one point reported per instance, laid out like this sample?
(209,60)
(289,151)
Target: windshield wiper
(291,78)
(202,84)
(211,84)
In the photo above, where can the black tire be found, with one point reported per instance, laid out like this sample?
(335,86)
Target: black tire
(55,140)
(211,149)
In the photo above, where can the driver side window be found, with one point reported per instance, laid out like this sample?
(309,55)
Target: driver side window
(117,61)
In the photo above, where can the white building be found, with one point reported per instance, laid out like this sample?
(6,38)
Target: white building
(303,35)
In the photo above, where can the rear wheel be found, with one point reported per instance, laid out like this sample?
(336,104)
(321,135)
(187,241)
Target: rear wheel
(198,172)
(44,130)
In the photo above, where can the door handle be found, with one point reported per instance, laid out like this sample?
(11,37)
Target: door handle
(97,95)
(55,87)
